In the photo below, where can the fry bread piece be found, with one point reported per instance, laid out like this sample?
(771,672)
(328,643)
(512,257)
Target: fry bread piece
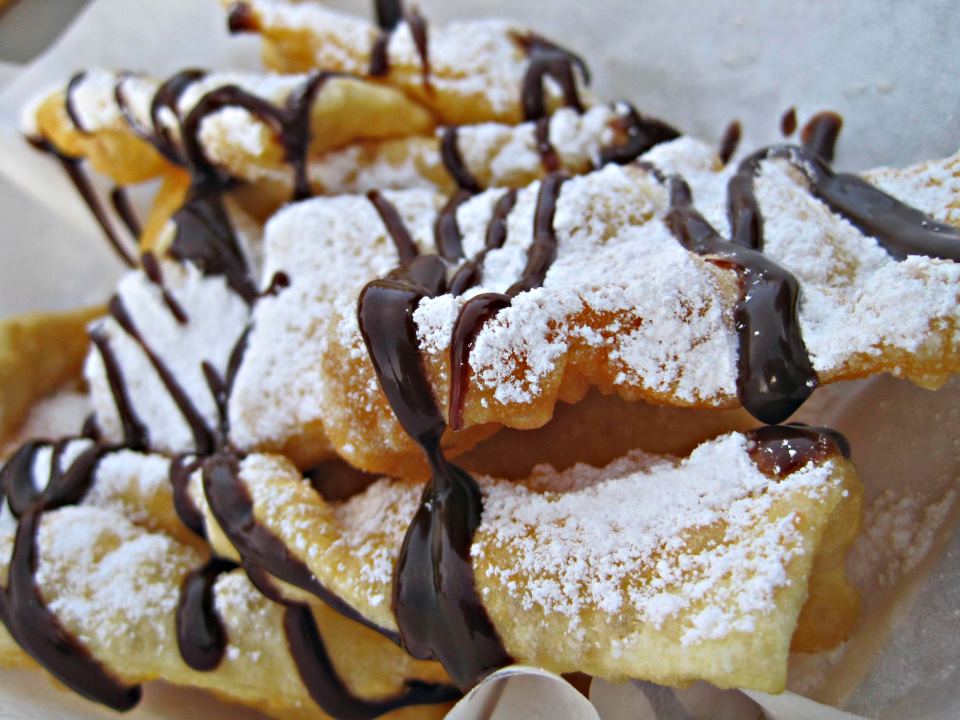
(648,568)
(624,307)
(106,117)
(466,72)
(38,353)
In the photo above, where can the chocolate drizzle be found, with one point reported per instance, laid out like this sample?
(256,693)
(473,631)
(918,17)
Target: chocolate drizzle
(69,104)
(454,163)
(181,468)
(201,636)
(643,133)
(434,595)
(730,141)
(788,122)
(774,372)
(481,308)
(780,450)
(22,607)
(151,268)
(123,208)
(548,154)
(73,167)
(819,135)
(547,59)
(232,506)
(406,247)
(389,13)
(136,436)
(449,240)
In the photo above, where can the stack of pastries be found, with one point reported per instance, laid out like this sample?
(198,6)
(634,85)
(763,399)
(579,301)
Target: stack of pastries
(289,461)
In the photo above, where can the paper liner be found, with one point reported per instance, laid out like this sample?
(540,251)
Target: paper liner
(698,67)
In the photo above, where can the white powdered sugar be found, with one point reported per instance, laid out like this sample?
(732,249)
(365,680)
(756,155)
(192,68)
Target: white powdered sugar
(109,581)
(93,101)
(322,246)
(129,482)
(216,319)
(591,547)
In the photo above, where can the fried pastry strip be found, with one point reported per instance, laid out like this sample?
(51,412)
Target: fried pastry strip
(132,127)
(465,72)
(624,306)
(648,568)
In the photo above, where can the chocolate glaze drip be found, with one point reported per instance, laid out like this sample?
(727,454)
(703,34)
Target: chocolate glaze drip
(730,141)
(22,608)
(136,436)
(325,686)
(123,208)
(555,62)
(205,237)
(481,308)
(406,247)
(74,170)
(782,449)
(418,30)
(151,268)
(181,468)
(434,596)
(379,59)
(774,372)
(899,229)
(202,436)
(69,104)
(454,163)
(389,13)
(819,135)
(643,133)
(471,272)
(446,229)
(90,429)
(788,122)
(548,154)
(166,98)
(240,19)
(201,636)
(232,506)
(278,283)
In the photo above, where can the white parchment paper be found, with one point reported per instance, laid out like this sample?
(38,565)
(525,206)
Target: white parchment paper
(889,68)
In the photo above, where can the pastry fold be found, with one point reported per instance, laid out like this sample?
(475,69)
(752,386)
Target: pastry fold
(464,72)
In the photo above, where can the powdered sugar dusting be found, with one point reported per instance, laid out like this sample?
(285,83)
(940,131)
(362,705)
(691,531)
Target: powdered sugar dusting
(623,541)
(216,318)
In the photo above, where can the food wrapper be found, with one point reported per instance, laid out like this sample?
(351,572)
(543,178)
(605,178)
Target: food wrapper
(698,66)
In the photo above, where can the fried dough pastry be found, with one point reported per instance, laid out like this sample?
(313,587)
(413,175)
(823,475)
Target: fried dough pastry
(132,127)
(464,72)
(650,567)
(113,570)
(624,306)
(28,367)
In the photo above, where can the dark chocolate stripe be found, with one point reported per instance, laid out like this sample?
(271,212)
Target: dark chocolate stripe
(788,122)
(389,13)
(454,163)
(181,468)
(643,133)
(121,205)
(379,59)
(774,372)
(420,35)
(446,229)
(481,308)
(783,449)
(70,105)
(232,506)
(74,170)
(328,690)
(819,135)
(547,59)
(201,636)
(151,268)
(396,229)
(22,608)
(730,141)
(548,154)
(202,435)
(135,434)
